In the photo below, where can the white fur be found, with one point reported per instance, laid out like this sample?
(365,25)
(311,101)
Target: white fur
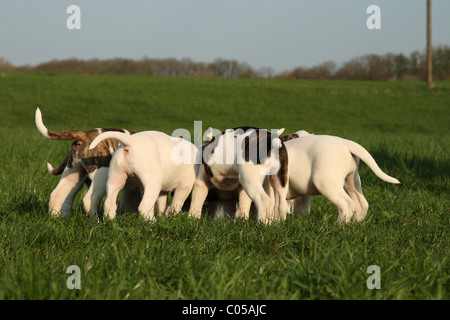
(148,157)
(39,124)
(231,173)
(328,166)
(49,167)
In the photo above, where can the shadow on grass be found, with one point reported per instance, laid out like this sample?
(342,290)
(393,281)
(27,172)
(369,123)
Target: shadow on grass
(416,171)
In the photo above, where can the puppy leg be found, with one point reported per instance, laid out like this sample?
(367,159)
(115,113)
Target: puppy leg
(88,195)
(280,207)
(130,197)
(353,188)
(244,205)
(68,203)
(61,195)
(252,180)
(345,205)
(181,193)
(336,194)
(301,205)
(147,205)
(161,203)
(116,181)
(199,193)
(151,183)
(96,191)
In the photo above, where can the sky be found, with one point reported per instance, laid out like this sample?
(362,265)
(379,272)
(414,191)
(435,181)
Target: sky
(279,34)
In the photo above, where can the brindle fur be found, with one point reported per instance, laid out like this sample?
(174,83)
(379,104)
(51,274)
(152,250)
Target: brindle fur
(79,150)
(80,166)
(289,137)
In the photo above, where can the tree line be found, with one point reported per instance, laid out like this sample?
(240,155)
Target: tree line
(368,67)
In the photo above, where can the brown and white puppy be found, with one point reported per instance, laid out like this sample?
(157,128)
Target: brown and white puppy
(82,165)
(249,160)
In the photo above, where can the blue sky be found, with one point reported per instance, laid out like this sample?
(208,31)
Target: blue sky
(281,34)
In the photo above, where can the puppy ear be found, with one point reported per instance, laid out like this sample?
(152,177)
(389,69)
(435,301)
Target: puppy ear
(208,134)
(276,143)
(279,132)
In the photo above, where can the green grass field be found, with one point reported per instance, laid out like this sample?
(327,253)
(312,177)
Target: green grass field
(406,232)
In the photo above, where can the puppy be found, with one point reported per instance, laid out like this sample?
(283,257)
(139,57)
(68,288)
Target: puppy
(158,162)
(83,165)
(246,159)
(328,165)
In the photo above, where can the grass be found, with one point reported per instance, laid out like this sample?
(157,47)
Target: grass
(403,125)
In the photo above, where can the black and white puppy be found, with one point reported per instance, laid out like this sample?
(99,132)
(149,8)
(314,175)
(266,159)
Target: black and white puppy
(247,159)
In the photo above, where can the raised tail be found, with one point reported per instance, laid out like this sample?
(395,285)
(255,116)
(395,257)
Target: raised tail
(365,156)
(123,138)
(72,135)
(60,169)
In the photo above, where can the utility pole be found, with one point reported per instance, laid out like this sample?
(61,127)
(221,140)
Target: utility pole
(429,50)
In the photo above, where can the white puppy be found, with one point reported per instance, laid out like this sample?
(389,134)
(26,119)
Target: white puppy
(327,165)
(158,162)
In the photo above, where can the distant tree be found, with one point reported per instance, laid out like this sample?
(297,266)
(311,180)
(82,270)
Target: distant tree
(401,66)
(246,71)
(266,72)
(379,67)
(441,63)
(415,62)
(5,65)
(325,70)
(355,69)
(368,67)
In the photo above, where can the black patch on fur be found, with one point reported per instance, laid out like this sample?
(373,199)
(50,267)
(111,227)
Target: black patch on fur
(284,161)
(263,149)
(208,170)
(263,145)
(260,142)
(282,173)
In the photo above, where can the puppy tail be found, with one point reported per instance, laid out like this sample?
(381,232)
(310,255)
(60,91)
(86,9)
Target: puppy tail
(123,138)
(72,135)
(365,156)
(60,169)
